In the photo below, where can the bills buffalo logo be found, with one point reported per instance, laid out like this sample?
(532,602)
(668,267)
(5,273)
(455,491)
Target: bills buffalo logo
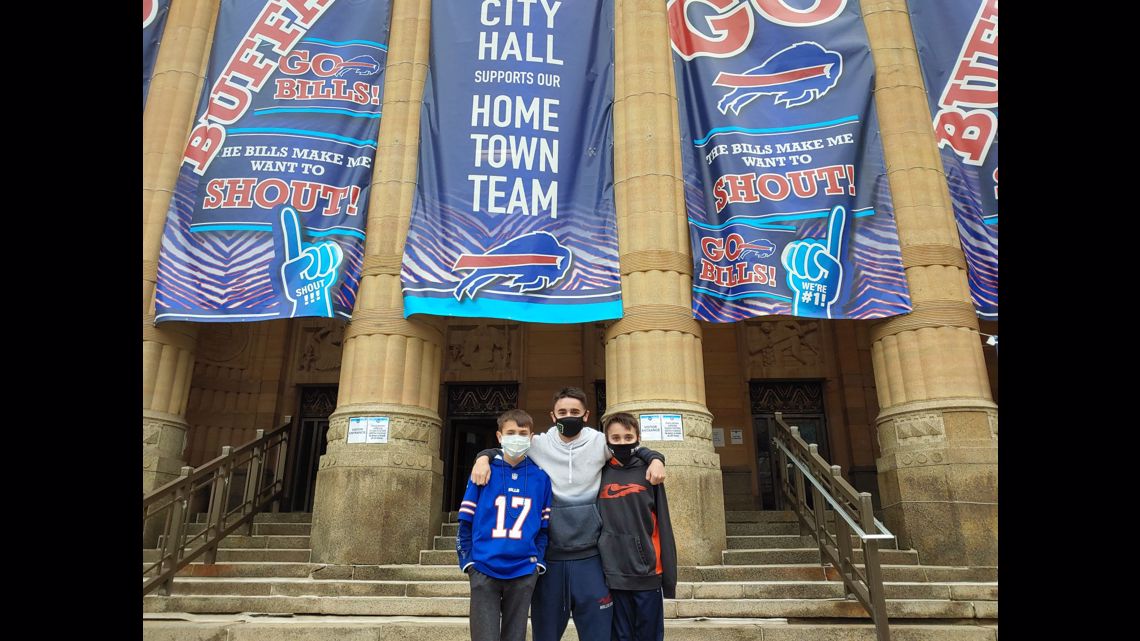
(794,76)
(762,248)
(360,65)
(531,262)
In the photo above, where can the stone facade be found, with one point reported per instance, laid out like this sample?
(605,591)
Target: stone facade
(909,403)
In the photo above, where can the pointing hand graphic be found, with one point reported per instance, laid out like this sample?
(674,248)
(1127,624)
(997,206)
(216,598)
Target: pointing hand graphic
(815,269)
(309,270)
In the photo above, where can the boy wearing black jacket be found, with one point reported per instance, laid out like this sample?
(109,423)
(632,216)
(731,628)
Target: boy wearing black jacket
(639,555)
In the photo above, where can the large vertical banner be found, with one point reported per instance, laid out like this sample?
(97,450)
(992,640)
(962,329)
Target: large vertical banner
(958,51)
(789,206)
(513,214)
(154,21)
(267,218)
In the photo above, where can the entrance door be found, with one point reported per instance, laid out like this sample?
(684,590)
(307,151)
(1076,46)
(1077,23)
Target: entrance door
(469,437)
(472,410)
(802,405)
(309,442)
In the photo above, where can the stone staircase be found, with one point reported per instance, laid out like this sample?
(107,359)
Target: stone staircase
(769,586)
(737,486)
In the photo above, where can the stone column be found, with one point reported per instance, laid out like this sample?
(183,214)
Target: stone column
(937,426)
(168,352)
(654,362)
(381,503)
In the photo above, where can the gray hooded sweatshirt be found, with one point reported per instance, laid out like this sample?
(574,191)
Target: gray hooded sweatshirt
(575,471)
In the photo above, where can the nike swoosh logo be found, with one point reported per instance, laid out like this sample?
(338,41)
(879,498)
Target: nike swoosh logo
(616,491)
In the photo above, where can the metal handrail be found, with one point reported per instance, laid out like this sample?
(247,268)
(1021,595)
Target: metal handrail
(262,459)
(856,516)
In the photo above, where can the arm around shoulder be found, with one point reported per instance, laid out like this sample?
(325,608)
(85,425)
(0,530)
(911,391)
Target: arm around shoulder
(648,455)
(668,545)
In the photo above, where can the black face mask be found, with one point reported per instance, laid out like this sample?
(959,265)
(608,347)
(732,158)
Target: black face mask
(624,452)
(570,425)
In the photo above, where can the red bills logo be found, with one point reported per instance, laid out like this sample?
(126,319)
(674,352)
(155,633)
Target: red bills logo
(724,28)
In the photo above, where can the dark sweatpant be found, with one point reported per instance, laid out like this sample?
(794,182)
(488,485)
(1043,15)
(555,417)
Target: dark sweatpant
(491,597)
(638,615)
(577,587)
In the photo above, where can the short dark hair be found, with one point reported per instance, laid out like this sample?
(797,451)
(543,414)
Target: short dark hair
(521,418)
(624,418)
(570,392)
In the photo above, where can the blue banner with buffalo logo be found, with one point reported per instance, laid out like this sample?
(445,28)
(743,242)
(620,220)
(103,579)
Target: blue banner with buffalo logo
(958,51)
(154,21)
(513,214)
(268,214)
(788,202)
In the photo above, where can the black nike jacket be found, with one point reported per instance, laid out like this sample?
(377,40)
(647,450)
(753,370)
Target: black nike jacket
(636,544)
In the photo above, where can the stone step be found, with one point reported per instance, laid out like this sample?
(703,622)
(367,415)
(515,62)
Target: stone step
(232,569)
(801,572)
(248,555)
(949,574)
(754,516)
(831,609)
(263,529)
(266,517)
(809,555)
(245,627)
(439,557)
(444,543)
(441,606)
(450,529)
(340,605)
(708,573)
(310,587)
(460,588)
(737,477)
(831,590)
(785,541)
(757,529)
(235,541)
(769,541)
(765,516)
(407,573)
(729,557)
(740,502)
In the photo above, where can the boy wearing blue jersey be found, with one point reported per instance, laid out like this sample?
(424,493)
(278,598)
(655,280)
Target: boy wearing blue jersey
(502,535)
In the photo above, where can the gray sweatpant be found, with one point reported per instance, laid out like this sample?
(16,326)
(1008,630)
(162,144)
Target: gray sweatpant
(491,597)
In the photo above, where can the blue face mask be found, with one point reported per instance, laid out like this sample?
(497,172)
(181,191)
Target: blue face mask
(515,445)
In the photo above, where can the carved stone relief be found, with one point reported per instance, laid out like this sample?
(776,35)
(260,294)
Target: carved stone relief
(922,427)
(321,348)
(224,343)
(783,344)
(482,349)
